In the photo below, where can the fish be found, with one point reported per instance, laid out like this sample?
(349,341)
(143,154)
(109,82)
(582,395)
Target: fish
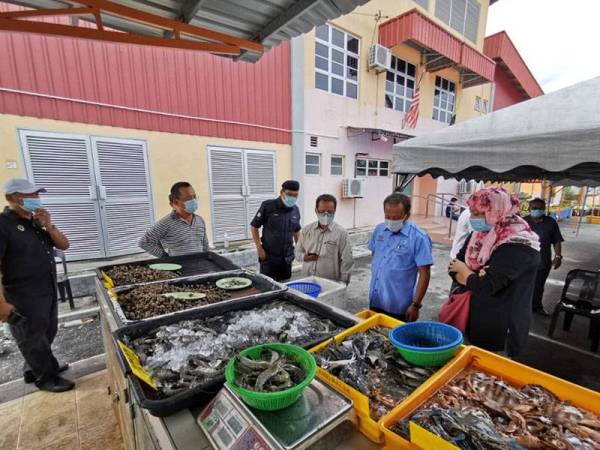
(270,372)
(492,414)
(192,353)
(369,363)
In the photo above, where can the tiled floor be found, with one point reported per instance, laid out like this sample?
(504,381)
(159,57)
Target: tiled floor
(81,419)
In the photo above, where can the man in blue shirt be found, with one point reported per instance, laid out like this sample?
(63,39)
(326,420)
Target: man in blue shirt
(401,264)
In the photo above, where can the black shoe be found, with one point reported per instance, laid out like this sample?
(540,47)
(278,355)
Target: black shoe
(56,384)
(29,377)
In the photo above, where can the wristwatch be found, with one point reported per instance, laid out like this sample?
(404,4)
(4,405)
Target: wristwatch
(559,256)
(417,305)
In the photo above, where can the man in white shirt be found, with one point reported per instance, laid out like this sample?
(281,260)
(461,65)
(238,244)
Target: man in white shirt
(463,229)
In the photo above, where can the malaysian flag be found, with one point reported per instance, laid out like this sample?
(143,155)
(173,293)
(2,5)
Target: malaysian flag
(410,119)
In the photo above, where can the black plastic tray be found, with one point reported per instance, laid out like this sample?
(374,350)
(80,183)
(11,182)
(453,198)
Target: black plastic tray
(201,395)
(261,285)
(191,264)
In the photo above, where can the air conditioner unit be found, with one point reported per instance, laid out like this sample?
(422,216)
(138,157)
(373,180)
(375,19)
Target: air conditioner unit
(354,188)
(380,58)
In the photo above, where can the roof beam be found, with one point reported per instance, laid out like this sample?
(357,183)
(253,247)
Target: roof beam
(187,12)
(113,36)
(47,13)
(189,9)
(139,16)
(285,18)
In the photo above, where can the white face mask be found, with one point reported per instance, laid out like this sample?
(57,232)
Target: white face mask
(394,225)
(325,219)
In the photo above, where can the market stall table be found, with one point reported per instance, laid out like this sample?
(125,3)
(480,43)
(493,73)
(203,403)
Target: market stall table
(180,431)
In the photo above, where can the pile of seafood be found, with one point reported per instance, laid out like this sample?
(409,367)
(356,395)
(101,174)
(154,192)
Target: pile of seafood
(480,411)
(369,363)
(131,274)
(194,352)
(270,372)
(152,300)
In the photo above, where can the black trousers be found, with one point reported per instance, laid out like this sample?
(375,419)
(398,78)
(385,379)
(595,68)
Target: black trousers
(276,268)
(34,335)
(540,282)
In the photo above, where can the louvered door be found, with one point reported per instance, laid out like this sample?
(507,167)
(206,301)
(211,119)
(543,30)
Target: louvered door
(260,180)
(123,191)
(228,206)
(62,163)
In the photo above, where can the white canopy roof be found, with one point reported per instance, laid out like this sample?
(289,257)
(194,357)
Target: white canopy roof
(555,137)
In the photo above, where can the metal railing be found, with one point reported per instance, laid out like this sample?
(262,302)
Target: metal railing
(439,199)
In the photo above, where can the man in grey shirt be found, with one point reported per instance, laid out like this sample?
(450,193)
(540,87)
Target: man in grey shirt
(324,247)
(181,231)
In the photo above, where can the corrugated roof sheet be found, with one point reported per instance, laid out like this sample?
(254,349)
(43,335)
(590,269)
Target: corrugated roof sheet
(266,21)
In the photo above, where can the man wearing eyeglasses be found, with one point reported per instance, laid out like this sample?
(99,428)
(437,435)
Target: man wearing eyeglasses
(324,246)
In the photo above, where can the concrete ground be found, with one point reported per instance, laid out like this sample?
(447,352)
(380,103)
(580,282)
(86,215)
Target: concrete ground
(567,355)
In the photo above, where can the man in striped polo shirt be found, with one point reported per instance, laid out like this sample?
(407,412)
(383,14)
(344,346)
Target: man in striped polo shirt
(181,231)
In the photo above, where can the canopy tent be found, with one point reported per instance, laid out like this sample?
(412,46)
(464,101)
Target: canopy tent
(555,137)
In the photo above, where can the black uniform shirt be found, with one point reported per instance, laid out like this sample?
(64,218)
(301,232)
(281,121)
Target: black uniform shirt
(549,234)
(280,223)
(26,258)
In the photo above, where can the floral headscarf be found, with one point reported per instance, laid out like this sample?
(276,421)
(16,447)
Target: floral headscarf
(500,209)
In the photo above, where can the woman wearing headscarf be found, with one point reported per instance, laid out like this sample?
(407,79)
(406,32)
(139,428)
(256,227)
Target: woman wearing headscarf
(498,266)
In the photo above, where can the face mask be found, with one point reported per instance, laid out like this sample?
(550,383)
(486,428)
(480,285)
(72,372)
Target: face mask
(31,204)
(289,201)
(191,205)
(394,225)
(480,225)
(537,213)
(325,219)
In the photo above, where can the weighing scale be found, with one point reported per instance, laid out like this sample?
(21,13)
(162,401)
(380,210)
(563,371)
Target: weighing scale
(229,424)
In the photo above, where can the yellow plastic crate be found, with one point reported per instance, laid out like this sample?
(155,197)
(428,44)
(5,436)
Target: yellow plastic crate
(510,371)
(365,314)
(365,423)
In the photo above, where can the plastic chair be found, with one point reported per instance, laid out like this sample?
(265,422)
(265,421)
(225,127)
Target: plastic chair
(62,279)
(581,297)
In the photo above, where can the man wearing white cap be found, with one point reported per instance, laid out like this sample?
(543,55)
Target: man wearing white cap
(28,292)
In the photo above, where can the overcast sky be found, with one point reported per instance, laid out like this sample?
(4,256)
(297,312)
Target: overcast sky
(559,40)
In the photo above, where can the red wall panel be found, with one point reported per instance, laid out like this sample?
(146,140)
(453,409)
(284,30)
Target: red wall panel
(506,93)
(172,82)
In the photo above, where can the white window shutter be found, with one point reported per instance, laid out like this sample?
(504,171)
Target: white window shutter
(62,163)
(260,169)
(226,168)
(124,189)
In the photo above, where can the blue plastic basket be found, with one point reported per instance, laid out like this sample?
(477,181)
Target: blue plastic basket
(312,289)
(426,343)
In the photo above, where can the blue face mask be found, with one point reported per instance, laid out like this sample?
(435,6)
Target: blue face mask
(394,225)
(31,204)
(191,205)
(480,225)
(289,201)
(537,213)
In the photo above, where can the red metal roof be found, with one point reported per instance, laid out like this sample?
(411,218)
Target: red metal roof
(146,88)
(500,48)
(417,30)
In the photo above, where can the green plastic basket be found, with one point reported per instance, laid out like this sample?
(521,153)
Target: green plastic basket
(273,401)
(433,359)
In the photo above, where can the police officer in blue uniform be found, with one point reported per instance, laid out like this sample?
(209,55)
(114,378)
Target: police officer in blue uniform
(28,293)
(280,221)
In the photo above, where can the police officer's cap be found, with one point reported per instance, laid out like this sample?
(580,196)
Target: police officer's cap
(21,186)
(291,185)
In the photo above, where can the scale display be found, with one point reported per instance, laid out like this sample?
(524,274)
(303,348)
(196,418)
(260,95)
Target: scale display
(230,424)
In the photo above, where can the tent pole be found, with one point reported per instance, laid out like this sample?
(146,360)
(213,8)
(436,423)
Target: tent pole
(582,211)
